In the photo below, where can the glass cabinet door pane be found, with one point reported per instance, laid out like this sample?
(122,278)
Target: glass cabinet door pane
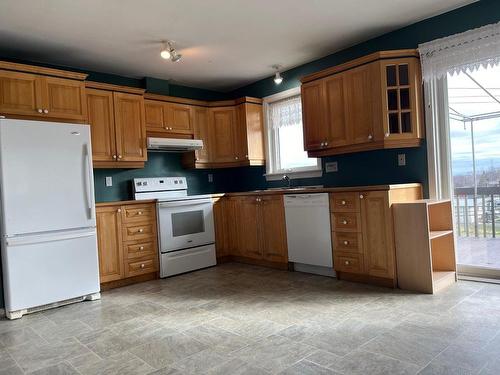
(404,97)
(406,122)
(393,123)
(403,75)
(392,100)
(391,75)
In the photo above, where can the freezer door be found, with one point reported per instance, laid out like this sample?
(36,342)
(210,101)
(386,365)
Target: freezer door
(46,176)
(48,268)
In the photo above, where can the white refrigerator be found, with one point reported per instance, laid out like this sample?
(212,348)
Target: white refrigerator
(48,225)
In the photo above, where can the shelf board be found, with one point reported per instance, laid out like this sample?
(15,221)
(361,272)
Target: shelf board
(441,279)
(439,233)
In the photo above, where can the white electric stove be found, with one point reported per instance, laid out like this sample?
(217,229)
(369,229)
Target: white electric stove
(186,234)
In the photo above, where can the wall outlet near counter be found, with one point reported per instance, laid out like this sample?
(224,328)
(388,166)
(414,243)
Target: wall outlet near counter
(210,177)
(331,166)
(109,181)
(401,160)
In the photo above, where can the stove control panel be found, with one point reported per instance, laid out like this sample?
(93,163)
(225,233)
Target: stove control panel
(159,184)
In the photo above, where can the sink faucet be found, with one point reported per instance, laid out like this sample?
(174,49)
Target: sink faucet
(287,179)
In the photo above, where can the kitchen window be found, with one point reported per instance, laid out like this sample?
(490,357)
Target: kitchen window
(285,139)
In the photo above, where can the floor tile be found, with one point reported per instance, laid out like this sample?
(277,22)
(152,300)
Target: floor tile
(305,367)
(62,368)
(360,362)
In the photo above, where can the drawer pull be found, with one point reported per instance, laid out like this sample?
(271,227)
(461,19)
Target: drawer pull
(45,111)
(344,222)
(343,203)
(346,262)
(141,230)
(140,212)
(142,265)
(40,110)
(361,196)
(119,210)
(141,248)
(346,242)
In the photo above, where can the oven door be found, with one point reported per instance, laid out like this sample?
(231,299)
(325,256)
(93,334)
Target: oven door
(185,224)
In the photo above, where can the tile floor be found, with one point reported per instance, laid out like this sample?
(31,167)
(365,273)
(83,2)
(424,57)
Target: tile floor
(237,319)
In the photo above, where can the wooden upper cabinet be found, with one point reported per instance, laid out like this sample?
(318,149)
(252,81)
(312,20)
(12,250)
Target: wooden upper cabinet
(401,105)
(109,243)
(336,112)
(222,123)
(180,118)
(168,118)
(102,124)
(130,127)
(273,229)
(369,103)
(64,99)
(201,131)
(316,132)
(41,97)
(359,95)
(20,93)
(378,236)
(156,115)
(249,135)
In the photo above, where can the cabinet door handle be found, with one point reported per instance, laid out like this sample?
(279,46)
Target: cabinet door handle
(45,111)
(370,137)
(142,265)
(361,196)
(40,110)
(114,156)
(119,156)
(119,210)
(235,158)
(387,135)
(141,248)
(346,242)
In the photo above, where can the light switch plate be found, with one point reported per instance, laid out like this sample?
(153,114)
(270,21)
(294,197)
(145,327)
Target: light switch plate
(210,177)
(401,160)
(109,181)
(331,166)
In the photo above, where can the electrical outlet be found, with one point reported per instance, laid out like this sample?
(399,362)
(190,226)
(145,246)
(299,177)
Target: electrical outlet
(109,181)
(331,166)
(401,160)
(210,177)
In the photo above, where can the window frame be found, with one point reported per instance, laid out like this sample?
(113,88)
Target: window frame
(273,173)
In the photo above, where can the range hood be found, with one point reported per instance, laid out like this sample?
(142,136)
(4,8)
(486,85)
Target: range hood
(174,144)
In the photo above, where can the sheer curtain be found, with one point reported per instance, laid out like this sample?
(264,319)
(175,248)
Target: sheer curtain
(464,52)
(286,112)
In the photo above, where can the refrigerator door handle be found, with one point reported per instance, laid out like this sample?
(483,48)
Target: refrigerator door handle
(48,237)
(88,179)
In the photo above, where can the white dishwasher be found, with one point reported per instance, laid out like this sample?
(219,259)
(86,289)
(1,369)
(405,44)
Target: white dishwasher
(308,233)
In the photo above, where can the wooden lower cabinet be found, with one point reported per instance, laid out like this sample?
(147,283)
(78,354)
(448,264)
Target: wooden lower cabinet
(251,229)
(363,234)
(127,243)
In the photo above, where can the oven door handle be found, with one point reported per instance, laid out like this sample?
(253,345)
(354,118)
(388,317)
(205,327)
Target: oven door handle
(192,202)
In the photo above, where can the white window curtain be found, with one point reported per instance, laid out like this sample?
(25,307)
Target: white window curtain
(286,112)
(462,52)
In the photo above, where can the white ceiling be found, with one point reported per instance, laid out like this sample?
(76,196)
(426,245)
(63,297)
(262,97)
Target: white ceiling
(226,43)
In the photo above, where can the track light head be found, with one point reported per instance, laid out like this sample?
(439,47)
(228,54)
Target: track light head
(277,76)
(169,53)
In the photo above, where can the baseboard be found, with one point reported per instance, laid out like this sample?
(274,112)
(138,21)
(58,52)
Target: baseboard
(129,281)
(366,279)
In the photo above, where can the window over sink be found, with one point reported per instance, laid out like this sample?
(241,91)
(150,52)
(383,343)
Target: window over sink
(285,139)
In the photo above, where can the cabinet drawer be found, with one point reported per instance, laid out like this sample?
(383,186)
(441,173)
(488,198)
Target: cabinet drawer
(344,202)
(348,263)
(346,222)
(139,231)
(138,213)
(350,242)
(140,249)
(139,267)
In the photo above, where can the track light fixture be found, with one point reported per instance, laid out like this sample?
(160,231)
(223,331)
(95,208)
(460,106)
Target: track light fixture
(169,53)
(277,76)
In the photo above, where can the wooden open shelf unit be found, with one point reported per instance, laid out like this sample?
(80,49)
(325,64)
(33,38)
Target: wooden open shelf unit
(425,246)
